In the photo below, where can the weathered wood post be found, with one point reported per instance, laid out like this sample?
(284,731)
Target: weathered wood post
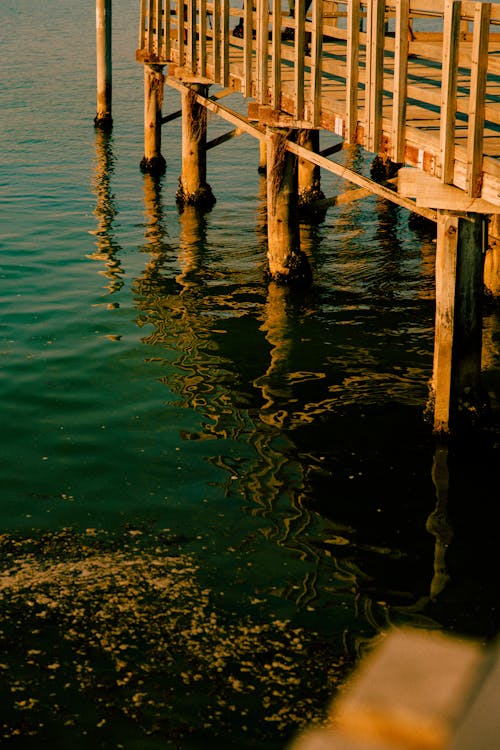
(262,157)
(193,188)
(287,263)
(492,257)
(309,174)
(103,117)
(153,161)
(456,383)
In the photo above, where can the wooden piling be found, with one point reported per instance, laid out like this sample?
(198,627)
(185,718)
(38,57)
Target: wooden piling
(103,117)
(469,397)
(309,174)
(457,393)
(262,157)
(193,187)
(407,108)
(153,161)
(492,257)
(287,264)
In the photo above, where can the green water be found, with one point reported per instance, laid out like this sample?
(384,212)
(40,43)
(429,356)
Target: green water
(215,492)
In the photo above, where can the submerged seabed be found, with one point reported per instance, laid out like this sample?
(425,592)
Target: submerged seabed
(216,492)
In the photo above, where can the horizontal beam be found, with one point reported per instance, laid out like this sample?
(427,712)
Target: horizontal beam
(258,131)
(173,116)
(348,197)
(431,192)
(223,138)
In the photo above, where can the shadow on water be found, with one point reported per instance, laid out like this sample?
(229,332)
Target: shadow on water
(334,512)
(356,490)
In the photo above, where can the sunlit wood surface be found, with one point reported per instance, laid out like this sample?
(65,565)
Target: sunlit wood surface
(417,81)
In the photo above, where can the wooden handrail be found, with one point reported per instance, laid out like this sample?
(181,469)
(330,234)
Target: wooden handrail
(362,71)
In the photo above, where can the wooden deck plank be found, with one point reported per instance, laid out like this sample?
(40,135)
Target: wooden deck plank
(414,106)
(480,729)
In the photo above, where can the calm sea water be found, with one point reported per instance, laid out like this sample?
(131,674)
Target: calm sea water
(215,492)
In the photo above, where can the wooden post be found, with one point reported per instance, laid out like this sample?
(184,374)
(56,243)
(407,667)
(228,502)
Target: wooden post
(262,157)
(446,269)
(287,264)
(492,257)
(153,161)
(103,117)
(456,384)
(193,188)
(467,392)
(309,174)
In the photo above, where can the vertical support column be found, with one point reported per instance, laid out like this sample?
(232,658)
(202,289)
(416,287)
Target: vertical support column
(456,383)
(152,160)
(446,272)
(309,174)
(103,117)
(262,157)
(492,257)
(193,188)
(287,263)
(469,397)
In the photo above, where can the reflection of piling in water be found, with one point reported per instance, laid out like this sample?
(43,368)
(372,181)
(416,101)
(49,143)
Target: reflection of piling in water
(153,284)
(156,232)
(272,481)
(106,211)
(273,384)
(192,242)
(437,523)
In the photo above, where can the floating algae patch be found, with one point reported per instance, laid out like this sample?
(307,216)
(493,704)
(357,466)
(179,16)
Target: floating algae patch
(105,637)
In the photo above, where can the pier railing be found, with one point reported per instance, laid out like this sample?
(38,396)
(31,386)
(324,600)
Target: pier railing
(415,80)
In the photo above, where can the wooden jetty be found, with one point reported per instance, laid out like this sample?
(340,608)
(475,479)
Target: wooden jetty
(415,83)
(416,690)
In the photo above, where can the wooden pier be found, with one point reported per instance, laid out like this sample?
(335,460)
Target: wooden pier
(415,83)
(416,690)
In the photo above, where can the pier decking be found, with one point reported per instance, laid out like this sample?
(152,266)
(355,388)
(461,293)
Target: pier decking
(366,72)
(415,83)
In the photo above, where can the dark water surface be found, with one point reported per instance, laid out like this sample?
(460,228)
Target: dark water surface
(215,492)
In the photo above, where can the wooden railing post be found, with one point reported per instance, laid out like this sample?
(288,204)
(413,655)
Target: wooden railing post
(103,117)
(479,68)
(401,46)
(352,70)
(451,31)
(374,74)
